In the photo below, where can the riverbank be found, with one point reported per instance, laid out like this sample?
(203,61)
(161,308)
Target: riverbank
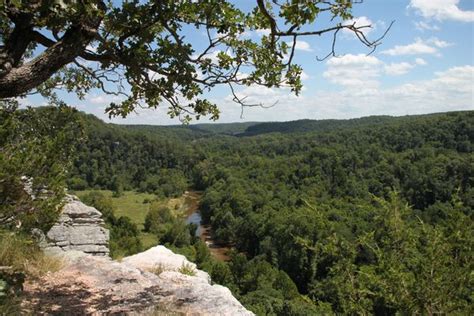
(219,252)
(135,205)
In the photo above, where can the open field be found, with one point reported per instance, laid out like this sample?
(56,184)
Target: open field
(131,204)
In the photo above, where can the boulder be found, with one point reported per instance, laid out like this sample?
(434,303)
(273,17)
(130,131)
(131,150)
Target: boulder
(80,227)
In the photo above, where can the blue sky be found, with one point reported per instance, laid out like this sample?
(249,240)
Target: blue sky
(424,65)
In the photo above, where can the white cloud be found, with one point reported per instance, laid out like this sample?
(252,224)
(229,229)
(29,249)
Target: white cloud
(92,48)
(102,99)
(304,76)
(280,100)
(452,89)
(354,71)
(304,46)
(398,68)
(460,79)
(212,55)
(423,26)
(420,61)
(420,46)
(360,73)
(154,75)
(448,90)
(441,10)
(439,43)
(301,45)
(262,32)
(265,96)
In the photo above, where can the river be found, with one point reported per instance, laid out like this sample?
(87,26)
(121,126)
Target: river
(192,198)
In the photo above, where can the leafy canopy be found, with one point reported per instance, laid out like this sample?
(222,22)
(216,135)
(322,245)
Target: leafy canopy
(138,50)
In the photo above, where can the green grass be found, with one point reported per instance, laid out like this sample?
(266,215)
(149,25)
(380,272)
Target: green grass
(131,204)
(187,269)
(20,259)
(148,240)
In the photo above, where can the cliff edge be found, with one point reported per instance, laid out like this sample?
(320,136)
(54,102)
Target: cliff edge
(155,282)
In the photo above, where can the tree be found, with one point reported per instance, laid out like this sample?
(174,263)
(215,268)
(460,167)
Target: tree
(36,151)
(117,186)
(103,204)
(137,50)
(157,217)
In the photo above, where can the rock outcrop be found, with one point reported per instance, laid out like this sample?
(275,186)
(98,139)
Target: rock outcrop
(80,227)
(154,282)
(98,285)
(161,258)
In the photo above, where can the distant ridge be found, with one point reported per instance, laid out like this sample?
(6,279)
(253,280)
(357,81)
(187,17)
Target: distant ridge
(307,125)
(302,126)
(247,129)
(235,128)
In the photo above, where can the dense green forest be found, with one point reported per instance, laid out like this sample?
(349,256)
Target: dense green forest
(371,215)
(363,215)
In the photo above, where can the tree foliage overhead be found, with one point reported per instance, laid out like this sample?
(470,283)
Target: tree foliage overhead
(138,50)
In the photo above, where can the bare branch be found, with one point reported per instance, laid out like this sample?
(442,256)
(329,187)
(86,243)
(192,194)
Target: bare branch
(271,20)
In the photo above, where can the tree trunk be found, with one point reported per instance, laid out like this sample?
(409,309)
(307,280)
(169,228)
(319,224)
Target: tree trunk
(19,80)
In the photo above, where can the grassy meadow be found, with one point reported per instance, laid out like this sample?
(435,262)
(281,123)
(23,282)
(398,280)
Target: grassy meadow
(135,205)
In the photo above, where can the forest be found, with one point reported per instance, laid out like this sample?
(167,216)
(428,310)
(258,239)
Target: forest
(370,215)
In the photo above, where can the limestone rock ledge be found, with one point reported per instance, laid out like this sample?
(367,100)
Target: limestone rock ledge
(80,227)
(160,257)
(148,283)
(98,285)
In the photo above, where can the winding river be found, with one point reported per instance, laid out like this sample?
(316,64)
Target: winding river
(203,231)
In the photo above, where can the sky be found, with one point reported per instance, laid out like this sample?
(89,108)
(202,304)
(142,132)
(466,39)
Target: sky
(424,65)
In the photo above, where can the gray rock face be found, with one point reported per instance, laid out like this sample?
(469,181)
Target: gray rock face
(165,259)
(80,227)
(88,285)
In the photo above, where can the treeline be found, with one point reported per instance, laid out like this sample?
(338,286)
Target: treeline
(367,215)
(125,158)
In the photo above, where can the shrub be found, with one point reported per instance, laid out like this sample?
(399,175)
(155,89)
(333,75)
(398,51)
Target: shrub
(158,269)
(36,150)
(124,233)
(178,234)
(156,217)
(77,183)
(187,269)
(103,204)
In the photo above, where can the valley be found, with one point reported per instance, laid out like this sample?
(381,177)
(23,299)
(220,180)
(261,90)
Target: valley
(296,200)
(283,214)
